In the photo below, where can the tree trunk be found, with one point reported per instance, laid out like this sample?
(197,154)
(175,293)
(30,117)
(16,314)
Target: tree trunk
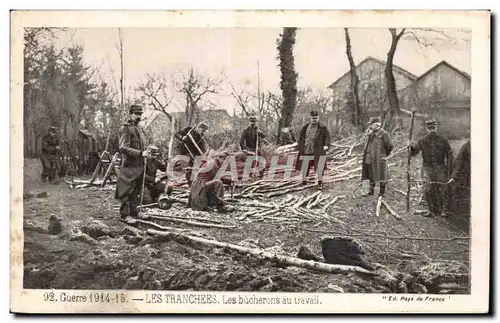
(392,94)
(280,259)
(357,115)
(288,82)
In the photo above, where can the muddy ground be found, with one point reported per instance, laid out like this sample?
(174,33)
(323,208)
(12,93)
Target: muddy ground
(96,251)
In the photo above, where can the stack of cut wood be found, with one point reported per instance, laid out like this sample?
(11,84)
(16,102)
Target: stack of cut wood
(291,209)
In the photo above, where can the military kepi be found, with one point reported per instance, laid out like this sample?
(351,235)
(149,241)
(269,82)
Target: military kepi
(375,120)
(430,123)
(135,108)
(314,113)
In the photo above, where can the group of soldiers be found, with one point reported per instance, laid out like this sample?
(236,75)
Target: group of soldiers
(439,170)
(138,184)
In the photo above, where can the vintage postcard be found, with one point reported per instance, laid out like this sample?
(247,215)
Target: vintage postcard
(250,161)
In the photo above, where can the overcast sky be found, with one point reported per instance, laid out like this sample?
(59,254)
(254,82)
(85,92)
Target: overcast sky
(320,56)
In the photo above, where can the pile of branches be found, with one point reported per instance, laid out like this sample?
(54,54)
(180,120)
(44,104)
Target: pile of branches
(291,209)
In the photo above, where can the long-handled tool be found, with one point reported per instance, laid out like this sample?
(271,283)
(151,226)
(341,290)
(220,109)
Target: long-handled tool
(409,162)
(143,184)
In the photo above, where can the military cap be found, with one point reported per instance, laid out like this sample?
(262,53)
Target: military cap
(135,108)
(53,129)
(252,118)
(430,123)
(203,125)
(285,130)
(375,120)
(314,113)
(153,149)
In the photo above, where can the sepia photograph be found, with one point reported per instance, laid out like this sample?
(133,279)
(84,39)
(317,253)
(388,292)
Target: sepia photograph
(269,159)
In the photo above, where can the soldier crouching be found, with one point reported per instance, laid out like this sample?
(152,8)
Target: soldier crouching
(207,192)
(153,186)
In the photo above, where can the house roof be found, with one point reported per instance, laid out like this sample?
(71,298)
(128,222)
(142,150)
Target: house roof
(370,58)
(445,63)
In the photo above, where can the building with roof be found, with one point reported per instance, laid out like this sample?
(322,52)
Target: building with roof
(442,92)
(372,88)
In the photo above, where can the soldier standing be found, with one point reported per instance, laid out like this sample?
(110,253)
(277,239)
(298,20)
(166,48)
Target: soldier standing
(248,140)
(314,140)
(437,159)
(50,149)
(251,138)
(378,146)
(190,139)
(130,177)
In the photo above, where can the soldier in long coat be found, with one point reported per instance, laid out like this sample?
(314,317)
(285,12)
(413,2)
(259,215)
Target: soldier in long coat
(314,140)
(50,149)
(207,191)
(153,186)
(378,147)
(437,159)
(129,183)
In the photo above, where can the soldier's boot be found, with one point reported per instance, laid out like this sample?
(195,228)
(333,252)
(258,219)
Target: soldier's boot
(223,208)
(382,189)
(372,189)
(320,185)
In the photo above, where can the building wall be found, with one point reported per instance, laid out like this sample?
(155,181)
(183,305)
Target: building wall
(443,94)
(372,88)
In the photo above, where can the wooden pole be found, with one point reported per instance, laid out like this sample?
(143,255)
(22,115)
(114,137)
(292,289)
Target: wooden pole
(409,162)
(292,261)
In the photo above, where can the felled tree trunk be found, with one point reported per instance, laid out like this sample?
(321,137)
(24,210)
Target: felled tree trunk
(292,261)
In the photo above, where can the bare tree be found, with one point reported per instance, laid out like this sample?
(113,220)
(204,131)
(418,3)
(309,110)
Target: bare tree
(242,98)
(356,111)
(392,94)
(425,37)
(195,86)
(122,85)
(155,90)
(289,77)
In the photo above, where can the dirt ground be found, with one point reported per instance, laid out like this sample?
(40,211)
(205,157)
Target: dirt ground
(96,251)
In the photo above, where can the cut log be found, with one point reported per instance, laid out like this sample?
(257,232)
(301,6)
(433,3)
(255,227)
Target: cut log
(286,260)
(379,202)
(156,225)
(313,200)
(332,202)
(391,210)
(304,200)
(318,201)
(200,224)
(286,191)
